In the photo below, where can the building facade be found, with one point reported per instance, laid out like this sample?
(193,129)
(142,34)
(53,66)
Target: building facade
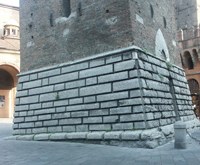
(188,16)
(101,71)
(9,58)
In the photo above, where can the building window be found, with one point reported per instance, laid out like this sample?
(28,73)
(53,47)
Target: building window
(6,80)
(193,85)
(195,56)
(152,11)
(66,8)
(11,31)
(2,101)
(188,60)
(164,22)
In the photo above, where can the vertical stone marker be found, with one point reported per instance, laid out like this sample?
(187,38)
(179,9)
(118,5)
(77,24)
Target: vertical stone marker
(180,135)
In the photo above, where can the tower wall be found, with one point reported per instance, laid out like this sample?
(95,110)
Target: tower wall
(126,95)
(186,13)
(52,37)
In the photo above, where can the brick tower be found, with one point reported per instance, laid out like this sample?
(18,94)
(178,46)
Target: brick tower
(100,70)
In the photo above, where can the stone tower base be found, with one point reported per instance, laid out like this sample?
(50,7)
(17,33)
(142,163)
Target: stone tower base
(121,97)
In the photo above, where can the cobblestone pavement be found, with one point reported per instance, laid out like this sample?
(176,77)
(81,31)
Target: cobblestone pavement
(64,153)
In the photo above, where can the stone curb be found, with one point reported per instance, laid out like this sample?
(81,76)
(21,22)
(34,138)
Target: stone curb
(149,138)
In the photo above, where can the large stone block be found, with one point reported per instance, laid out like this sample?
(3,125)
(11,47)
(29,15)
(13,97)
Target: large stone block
(29,100)
(32,84)
(49,73)
(113,96)
(63,78)
(125,65)
(70,121)
(92,120)
(113,77)
(96,71)
(96,89)
(125,85)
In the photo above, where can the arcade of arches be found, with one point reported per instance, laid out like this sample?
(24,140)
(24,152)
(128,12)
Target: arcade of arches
(191,64)
(8,82)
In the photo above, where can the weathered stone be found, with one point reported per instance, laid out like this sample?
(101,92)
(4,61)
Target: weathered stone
(100,127)
(25,137)
(57,136)
(41,137)
(96,71)
(126,65)
(131,135)
(95,135)
(121,110)
(151,134)
(92,120)
(97,89)
(113,135)
(113,96)
(76,135)
(124,85)
(113,77)
(123,126)
(63,78)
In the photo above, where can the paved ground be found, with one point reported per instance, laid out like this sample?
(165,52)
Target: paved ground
(59,153)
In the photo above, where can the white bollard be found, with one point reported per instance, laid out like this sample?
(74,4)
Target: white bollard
(180,135)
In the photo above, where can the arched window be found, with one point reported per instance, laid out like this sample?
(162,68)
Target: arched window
(193,85)
(188,60)
(6,80)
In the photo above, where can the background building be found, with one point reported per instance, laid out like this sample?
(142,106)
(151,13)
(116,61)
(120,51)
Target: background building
(9,58)
(188,17)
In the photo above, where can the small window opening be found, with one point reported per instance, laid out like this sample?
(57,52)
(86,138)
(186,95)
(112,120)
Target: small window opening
(66,8)
(8,32)
(152,11)
(163,54)
(51,20)
(188,60)
(14,32)
(79,9)
(164,22)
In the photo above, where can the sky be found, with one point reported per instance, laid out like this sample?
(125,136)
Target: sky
(10,2)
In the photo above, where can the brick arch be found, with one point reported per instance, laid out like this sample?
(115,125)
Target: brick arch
(12,70)
(8,83)
(188,60)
